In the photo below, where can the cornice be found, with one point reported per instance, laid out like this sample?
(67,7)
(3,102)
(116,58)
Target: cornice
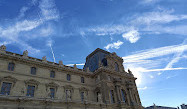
(110,71)
(39,62)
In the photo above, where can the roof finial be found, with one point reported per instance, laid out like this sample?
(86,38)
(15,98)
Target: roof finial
(44,59)
(2,48)
(25,53)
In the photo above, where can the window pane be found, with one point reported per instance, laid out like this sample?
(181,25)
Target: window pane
(104,61)
(68,77)
(82,79)
(116,67)
(123,95)
(30,90)
(5,89)
(52,74)
(112,96)
(52,92)
(11,66)
(82,96)
(33,70)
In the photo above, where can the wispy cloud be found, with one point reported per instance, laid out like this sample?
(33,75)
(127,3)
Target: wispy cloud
(151,53)
(142,88)
(161,16)
(14,33)
(144,61)
(115,45)
(152,22)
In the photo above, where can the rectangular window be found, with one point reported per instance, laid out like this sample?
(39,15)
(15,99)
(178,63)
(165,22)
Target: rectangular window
(33,70)
(11,66)
(30,91)
(82,96)
(123,95)
(82,79)
(68,77)
(112,96)
(52,74)
(5,89)
(52,92)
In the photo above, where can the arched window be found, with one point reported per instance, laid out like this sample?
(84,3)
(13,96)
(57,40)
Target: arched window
(68,77)
(11,66)
(116,66)
(33,70)
(104,61)
(52,74)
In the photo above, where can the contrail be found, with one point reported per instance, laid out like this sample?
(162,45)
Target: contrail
(52,53)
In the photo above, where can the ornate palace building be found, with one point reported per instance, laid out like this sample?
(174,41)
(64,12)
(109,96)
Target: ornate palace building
(30,83)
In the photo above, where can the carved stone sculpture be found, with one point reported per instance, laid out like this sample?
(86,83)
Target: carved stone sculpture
(44,59)
(25,53)
(68,92)
(100,98)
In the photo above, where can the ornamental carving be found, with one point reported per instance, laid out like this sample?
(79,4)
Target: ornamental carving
(52,84)
(32,82)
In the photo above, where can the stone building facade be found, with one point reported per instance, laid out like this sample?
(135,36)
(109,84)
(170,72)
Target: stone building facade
(30,83)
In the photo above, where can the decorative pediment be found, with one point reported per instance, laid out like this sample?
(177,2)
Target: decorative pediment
(69,87)
(9,78)
(83,89)
(32,82)
(52,84)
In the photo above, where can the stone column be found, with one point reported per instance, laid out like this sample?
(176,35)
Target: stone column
(117,88)
(131,97)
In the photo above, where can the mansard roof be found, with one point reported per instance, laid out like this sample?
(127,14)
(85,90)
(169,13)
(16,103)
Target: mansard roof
(97,50)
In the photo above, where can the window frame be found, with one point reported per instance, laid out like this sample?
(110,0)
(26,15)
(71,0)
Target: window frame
(9,92)
(82,80)
(116,66)
(112,99)
(68,77)
(52,74)
(82,96)
(33,73)
(123,95)
(52,95)
(28,94)
(10,67)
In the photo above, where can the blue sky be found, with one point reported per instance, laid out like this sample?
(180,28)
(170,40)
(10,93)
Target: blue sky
(150,35)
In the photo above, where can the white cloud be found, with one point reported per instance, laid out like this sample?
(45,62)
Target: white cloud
(132,36)
(115,45)
(151,76)
(76,64)
(142,88)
